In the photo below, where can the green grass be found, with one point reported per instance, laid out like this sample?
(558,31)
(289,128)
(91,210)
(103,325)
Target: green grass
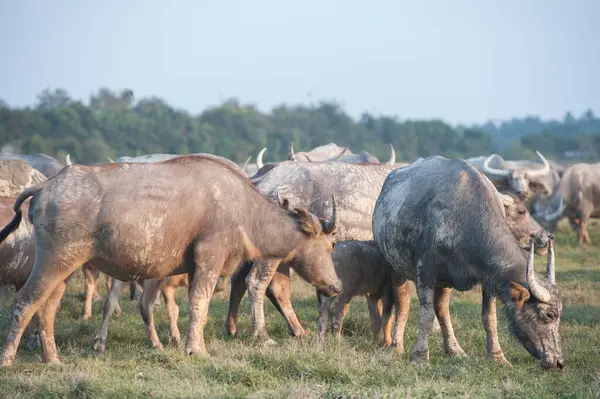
(296,368)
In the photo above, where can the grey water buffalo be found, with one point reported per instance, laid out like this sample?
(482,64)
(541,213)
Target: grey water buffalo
(252,168)
(45,164)
(520,177)
(576,198)
(363,270)
(523,227)
(136,221)
(356,188)
(440,223)
(152,158)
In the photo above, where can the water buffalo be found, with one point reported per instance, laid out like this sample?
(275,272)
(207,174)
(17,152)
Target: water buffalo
(152,158)
(363,270)
(356,188)
(576,198)
(45,164)
(17,254)
(138,221)
(322,154)
(519,177)
(440,223)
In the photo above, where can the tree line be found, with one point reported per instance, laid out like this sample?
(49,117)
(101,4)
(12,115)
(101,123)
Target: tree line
(115,123)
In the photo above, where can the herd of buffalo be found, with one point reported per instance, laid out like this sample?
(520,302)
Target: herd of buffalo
(347,223)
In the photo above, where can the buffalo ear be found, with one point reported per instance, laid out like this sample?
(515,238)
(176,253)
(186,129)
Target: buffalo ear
(308,222)
(518,295)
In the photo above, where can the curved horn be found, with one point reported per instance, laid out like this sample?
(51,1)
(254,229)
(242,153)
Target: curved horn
(259,160)
(283,203)
(292,154)
(335,218)
(540,172)
(541,293)
(110,160)
(493,171)
(68,160)
(551,266)
(392,156)
(246,162)
(549,217)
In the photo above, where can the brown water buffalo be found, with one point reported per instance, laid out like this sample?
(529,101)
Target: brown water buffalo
(577,197)
(194,215)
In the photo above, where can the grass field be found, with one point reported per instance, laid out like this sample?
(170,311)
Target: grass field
(296,368)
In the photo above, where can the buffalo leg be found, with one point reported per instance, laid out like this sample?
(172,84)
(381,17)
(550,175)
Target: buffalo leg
(401,293)
(442,310)
(583,232)
(90,275)
(109,284)
(208,265)
(110,303)
(257,281)
(32,334)
(238,289)
(489,320)
(47,315)
(279,293)
(375,313)
(146,308)
(338,310)
(425,292)
(47,274)
(168,293)
(323,321)
(386,313)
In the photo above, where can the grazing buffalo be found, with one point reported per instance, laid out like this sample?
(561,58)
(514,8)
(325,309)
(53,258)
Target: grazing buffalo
(43,163)
(356,188)
(440,223)
(523,227)
(519,177)
(191,214)
(576,198)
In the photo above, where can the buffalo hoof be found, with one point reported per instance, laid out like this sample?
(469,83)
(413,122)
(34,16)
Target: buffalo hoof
(100,345)
(500,359)
(33,341)
(158,346)
(97,298)
(86,317)
(456,352)
(396,348)
(269,342)
(6,362)
(176,340)
(196,352)
(420,357)
(54,360)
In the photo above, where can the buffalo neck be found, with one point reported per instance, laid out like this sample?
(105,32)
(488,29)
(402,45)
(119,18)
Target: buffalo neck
(275,232)
(508,264)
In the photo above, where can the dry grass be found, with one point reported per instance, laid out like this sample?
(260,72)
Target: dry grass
(296,368)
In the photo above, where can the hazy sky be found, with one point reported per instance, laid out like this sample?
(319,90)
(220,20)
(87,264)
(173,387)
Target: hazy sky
(463,61)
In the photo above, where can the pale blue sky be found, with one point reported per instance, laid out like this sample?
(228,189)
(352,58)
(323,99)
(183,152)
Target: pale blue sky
(460,60)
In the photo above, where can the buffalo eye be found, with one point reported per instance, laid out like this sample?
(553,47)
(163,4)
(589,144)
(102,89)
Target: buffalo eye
(550,316)
(332,246)
(522,211)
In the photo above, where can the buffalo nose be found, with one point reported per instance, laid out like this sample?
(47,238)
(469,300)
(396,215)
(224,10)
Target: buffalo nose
(560,363)
(336,289)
